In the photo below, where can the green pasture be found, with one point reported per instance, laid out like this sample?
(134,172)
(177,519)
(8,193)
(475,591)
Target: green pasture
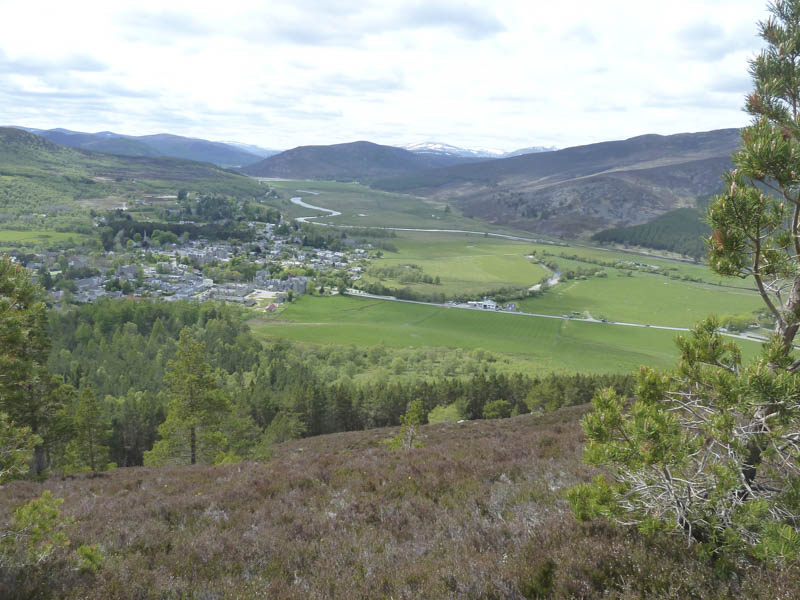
(553,253)
(472,264)
(466,264)
(643,298)
(534,344)
(37,237)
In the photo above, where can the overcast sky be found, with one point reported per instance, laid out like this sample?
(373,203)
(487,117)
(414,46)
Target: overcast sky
(501,74)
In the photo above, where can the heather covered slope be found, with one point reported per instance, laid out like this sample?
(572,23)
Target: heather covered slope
(583,189)
(477,513)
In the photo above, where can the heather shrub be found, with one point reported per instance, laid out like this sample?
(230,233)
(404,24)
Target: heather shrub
(479,513)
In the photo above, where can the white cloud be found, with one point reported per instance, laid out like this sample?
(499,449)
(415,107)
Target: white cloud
(506,74)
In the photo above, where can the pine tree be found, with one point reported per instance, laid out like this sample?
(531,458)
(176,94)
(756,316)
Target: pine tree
(16,447)
(92,428)
(712,449)
(195,410)
(29,395)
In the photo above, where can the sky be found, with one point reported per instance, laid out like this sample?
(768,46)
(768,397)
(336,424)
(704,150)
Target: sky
(500,74)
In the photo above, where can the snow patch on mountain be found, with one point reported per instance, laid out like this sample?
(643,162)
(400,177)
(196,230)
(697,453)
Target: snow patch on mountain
(450,150)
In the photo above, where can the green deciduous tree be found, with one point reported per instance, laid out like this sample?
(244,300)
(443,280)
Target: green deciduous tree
(712,448)
(196,409)
(285,426)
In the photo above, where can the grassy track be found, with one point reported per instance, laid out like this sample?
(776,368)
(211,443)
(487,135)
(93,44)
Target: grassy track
(540,345)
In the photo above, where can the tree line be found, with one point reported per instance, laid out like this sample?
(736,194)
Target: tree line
(124,382)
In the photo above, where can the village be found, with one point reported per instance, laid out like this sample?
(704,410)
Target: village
(275,268)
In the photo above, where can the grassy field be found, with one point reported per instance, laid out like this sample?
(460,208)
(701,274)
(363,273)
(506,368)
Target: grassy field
(473,264)
(466,264)
(679,268)
(643,298)
(36,237)
(533,344)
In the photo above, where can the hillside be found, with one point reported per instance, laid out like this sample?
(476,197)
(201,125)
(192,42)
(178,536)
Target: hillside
(583,189)
(43,177)
(478,512)
(163,144)
(107,142)
(681,230)
(354,161)
(201,150)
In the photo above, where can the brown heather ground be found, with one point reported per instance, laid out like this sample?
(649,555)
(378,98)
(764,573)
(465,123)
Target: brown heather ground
(477,513)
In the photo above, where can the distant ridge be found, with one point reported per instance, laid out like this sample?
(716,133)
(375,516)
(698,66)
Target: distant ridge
(50,177)
(354,161)
(531,150)
(448,150)
(162,144)
(584,189)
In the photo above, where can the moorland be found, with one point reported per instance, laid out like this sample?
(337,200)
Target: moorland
(314,338)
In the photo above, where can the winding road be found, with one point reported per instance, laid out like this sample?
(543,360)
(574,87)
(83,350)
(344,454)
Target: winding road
(360,294)
(551,281)
(298,200)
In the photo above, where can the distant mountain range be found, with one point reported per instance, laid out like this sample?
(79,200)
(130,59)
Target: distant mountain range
(231,154)
(448,150)
(573,192)
(584,189)
(41,176)
(354,161)
(223,154)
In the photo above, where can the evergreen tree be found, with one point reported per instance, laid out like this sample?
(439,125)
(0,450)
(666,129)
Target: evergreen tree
(134,426)
(29,395)
(92,428)
(195,410)
(16,446)
(712,449)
